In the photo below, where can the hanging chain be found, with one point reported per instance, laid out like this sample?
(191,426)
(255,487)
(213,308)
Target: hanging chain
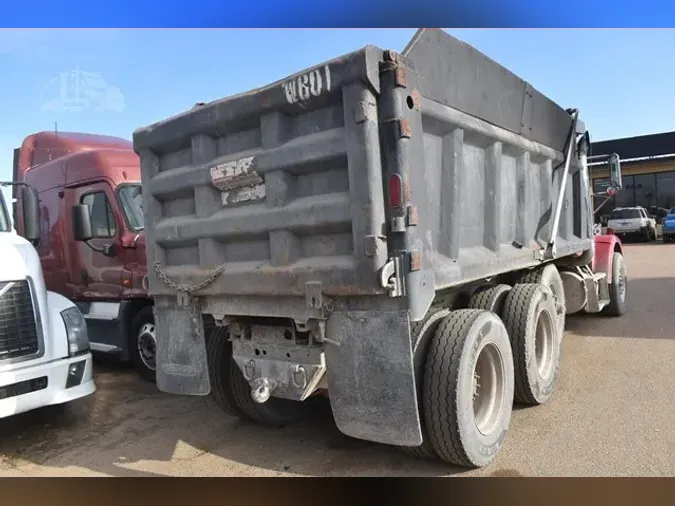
(189,288)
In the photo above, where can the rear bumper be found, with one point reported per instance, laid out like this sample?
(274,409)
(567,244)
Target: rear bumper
(629,231)
(56,374)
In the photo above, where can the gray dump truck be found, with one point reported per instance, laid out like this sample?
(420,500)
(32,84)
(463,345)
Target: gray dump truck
(402,233)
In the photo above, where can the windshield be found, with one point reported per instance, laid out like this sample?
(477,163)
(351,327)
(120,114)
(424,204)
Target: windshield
(5,224)
(672,211)
(624,214)
(131,197)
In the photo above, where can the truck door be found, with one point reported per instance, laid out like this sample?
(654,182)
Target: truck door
(100,274)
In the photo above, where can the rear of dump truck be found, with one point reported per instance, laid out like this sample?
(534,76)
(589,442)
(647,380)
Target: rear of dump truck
(395,232)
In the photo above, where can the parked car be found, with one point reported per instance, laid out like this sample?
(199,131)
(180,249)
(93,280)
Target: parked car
(669,226)
(632,221)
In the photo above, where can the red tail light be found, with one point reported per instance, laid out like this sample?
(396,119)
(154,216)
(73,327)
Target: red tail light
(610,231)
(395,191)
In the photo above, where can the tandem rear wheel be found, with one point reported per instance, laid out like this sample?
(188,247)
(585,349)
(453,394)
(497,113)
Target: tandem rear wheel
(477,362)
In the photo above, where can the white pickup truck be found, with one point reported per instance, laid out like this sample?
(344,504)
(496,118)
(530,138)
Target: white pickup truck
(44,346)
(634,221)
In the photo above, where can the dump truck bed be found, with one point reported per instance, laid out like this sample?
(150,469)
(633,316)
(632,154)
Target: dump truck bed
(286,185)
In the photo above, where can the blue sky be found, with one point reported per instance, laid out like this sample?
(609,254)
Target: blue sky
(621,80)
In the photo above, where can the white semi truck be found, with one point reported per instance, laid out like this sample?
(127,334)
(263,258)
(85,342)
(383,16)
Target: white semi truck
(44,346)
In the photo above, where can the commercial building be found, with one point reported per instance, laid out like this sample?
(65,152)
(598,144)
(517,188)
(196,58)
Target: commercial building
(648,167)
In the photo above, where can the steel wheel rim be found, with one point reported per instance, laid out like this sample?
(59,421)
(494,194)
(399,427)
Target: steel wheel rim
(147,345)
(488,389)
(544,344)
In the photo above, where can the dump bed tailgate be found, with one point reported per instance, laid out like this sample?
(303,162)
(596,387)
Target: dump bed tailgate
(282,185)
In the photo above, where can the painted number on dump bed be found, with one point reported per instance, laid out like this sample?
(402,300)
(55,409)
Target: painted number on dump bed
(306,86)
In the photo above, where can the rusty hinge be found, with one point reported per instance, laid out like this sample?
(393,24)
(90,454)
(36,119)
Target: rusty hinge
(401,77)
(415,260)
(404,128)
(413,216)
(416,99)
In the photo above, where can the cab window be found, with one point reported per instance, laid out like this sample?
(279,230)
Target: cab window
(102,217)
(624,214)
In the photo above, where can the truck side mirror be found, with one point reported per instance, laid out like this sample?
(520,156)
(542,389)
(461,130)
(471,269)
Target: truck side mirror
(615,172)
(30,205)
(82,223)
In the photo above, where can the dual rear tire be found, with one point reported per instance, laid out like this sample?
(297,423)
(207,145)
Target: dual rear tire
(478,361)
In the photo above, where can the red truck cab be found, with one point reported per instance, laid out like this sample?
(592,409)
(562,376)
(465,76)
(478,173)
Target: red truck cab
(104,272)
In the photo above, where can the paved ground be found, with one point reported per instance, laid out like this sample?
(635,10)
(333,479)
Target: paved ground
(612,414)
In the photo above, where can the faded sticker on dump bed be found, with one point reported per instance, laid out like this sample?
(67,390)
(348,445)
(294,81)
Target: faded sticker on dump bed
(238,181)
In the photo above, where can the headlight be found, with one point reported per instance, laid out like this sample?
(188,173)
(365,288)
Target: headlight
(76,329)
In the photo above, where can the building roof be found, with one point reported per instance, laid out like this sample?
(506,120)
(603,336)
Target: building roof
(639,147)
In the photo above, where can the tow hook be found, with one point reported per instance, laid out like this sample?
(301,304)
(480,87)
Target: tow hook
(261,389)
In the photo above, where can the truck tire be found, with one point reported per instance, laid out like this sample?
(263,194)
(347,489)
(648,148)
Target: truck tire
(143,344)
(490,299)
(467,420)
(549,277)
(530,318)
(617,288)
(421,333)
(232,393)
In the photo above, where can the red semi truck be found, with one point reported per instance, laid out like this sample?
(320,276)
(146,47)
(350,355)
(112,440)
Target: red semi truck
(105,275)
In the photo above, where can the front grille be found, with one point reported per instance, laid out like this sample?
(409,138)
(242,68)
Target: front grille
(18,329)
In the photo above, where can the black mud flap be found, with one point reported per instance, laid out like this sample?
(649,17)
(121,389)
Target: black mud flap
(370,377)
(181,351)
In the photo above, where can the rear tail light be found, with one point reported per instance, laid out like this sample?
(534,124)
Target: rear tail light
(395,191)
(610,231)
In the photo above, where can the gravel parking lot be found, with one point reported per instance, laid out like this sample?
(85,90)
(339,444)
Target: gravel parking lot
(612,414)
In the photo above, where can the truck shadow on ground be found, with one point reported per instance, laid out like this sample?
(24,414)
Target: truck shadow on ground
(649,314)
(128,428)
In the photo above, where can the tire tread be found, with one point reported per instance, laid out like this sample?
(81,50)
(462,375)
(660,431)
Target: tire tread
(440,385)
(516,319)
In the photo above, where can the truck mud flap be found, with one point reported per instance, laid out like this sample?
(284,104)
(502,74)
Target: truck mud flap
(181,351)
(370,377)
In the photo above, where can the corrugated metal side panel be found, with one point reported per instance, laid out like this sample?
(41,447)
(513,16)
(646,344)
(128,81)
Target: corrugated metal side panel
(459,76)
(282,184)
(483,195)
(491,196)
